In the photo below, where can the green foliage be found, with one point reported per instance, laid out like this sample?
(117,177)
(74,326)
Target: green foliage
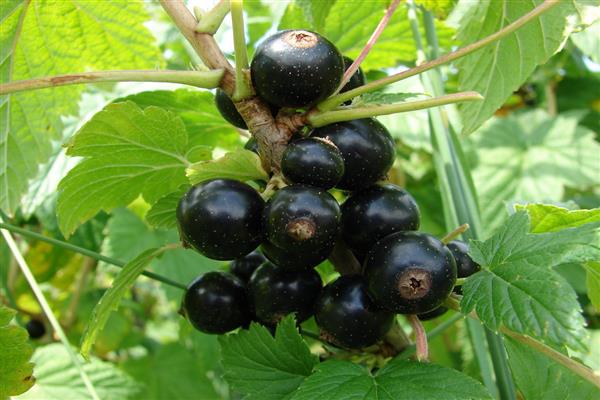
(383,98)
(539,378)
(162,213)
(243,165)
(532,156)
(492,71)
(50,37)
(517,287)
(588,41)
(265,367)
(128,151)
(15,368)
(111,299)
(59,379)
(398,380)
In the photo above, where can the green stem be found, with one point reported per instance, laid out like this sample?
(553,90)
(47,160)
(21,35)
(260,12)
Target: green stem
(37,291)
(86,252)
(454,234)
(204,79)
(325,118)
(211,21)
(435,332)
(334,101)
(243,89)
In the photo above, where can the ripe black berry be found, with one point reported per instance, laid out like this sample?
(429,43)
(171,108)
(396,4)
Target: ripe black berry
(302,219)
(374,213)
(436,312)
(276,292)
(216,302)
(465,266)
(35,329)
(221,218)
(244,267)
(410,272)
(296,68)
(295,260)
(313,161)
(348,317)
(228,110)
(367,149)
(357,79)
(251,145)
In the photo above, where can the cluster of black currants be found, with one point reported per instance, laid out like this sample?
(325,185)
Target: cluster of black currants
(402,270)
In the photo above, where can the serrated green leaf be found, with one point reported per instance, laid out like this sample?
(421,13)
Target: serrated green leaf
(518,288)
(532,157)
(265,367)
(51,37)
(16,372)
(128,151)
(315,12)
(112,297)
(550,218)
(398,380)
(540,378)
(243,165)
(497,70)
(162,213)
(59,379)
(592,282)
(203,122)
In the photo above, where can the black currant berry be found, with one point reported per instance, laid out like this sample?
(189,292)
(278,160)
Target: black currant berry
(410,272)
(221,218)
(251,145)
(296,68)
(465,266)
(35,329)
(367,149)
(313,161)
(228,110)
(302,219)
(295,260)
(276,292)
(348,317)
(436,312)
(357,79)
(244,267)
(216,302)
(374,213)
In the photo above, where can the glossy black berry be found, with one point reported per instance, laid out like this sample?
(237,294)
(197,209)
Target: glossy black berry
(216,302)
(245,266)
(465,266)
(295,260)
(357,79)
(296,68)
(276,292)
(228,110)
(348,317)
(251,145)
(221,218)
(373,213)
(313,161)
(410,272)
(35,329)
(436,312)
(367,149)
(302,219)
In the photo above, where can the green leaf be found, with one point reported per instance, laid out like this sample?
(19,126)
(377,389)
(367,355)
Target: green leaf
(112,297)
(128,151)
(592,281)
(243,165)
(172,372)
(203,122)
(59,379)
(16,372)
(540,378)
(518,288)
(162,213)
(497,70)
(315,12)
(51,37)
(398,380)
(265,367)
(532,157)
(550,218)
(588,41)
